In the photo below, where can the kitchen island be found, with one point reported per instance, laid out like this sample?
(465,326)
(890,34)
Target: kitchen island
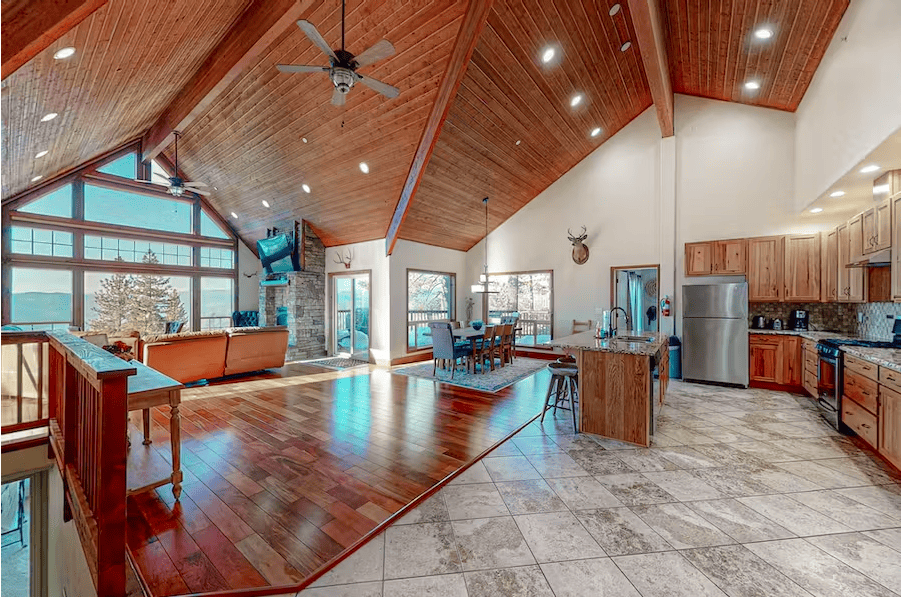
(618,394)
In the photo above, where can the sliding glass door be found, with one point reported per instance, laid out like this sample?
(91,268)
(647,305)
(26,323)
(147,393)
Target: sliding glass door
(350,314)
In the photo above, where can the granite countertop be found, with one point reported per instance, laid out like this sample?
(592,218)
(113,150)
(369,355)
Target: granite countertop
(587,341)
(810,335)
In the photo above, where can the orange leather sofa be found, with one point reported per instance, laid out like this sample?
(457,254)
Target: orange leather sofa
(191,356)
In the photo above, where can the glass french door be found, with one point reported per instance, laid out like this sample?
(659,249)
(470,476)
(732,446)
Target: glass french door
(350,312)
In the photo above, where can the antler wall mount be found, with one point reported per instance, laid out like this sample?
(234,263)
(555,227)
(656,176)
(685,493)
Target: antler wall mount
(580,251)
(345,258)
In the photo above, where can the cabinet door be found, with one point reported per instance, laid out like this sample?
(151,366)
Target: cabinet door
(698,259)
(829,266)
(896,248)
(730,256)
(889,422)
(792,361)
(855,234)
(802,268)
(765,354)
(868,234)
(765,261)
(851,287)
(883,226)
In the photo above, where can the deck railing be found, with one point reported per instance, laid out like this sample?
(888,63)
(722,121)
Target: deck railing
(418,322)
(88,408)
(24,381)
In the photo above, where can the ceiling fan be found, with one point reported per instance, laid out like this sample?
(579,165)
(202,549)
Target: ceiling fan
(343,65)
(174,185)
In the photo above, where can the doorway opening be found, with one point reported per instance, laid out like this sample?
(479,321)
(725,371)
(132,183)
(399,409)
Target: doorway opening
(636,290)
(350,310)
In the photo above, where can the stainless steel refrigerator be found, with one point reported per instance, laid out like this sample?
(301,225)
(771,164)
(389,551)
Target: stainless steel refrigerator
(715,333)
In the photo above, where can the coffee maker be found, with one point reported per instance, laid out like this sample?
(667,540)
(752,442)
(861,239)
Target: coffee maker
(799,319)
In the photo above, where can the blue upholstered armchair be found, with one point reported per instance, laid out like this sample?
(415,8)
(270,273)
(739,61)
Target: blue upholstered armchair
(443,346)
(245,319)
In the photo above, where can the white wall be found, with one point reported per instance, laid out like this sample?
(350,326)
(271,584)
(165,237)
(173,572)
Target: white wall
(67,567)
(854,100)
(368,255)
(248,288)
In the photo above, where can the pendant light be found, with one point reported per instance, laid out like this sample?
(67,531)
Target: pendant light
(482,286)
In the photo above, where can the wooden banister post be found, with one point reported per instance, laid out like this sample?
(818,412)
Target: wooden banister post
(111,491)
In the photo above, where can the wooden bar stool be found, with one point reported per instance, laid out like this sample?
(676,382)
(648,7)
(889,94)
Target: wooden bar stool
(563,387)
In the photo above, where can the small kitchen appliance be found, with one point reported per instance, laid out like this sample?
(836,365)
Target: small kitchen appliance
(799,320)
(777,324)
(758,322)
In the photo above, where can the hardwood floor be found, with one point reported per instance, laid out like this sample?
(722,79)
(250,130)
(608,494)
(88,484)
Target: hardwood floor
(283,472)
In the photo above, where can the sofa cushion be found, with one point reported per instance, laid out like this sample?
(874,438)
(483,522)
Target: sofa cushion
(183,336)
(187,357)
(256,348)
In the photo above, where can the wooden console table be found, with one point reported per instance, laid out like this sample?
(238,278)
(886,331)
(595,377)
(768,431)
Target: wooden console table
(146,389)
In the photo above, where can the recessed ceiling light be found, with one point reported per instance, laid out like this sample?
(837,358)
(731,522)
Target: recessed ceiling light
(596,131)
(305,187)
(41,154)
(265,203)
(625,46)
(576,100)
(215,188)
(364,167)
(64,53)
(37,178)
(234,215)
(881,188)
(868,169)
(763,33)
(49,117)
(614,9)
(304,139)
(837,194)
(752,85)
(518,141)
(816,210)
(548,54)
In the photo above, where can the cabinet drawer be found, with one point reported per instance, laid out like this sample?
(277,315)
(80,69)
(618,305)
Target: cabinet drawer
(860,420)
(810,362)
(764,339)
(865,368)
(862,390)
(891,378)
(810,382)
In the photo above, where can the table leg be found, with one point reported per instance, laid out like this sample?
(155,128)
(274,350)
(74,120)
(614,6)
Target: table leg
(175,440)
(146,413)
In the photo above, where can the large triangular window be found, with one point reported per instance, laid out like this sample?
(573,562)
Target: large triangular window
(210,228)
(58,203)
(126,166)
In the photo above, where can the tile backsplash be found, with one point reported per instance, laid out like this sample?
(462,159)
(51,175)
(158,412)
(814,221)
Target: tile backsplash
(878,319)
(834,317)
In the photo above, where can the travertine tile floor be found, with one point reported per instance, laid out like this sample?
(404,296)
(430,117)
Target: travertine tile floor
(743,493)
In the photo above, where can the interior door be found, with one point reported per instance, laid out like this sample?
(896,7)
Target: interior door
(350,314)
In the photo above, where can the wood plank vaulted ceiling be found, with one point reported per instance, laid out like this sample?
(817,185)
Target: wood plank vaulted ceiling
(134,56)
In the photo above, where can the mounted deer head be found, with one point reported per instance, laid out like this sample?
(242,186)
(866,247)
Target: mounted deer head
(345,259)
(580,251)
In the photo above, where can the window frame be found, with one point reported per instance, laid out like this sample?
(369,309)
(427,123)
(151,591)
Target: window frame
(486,303)
(453,305)
(79,228)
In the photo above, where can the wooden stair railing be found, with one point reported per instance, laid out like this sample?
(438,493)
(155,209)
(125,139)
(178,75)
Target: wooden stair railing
(24,394)
(88,424)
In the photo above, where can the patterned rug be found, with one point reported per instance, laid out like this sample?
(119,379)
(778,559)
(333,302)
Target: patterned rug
(337,363)
(492,381)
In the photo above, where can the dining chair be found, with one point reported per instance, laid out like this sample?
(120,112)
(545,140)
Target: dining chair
(487,349)
(581,326)
(506,345)
(443,346)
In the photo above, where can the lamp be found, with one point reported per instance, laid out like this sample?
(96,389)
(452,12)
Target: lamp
(482,286)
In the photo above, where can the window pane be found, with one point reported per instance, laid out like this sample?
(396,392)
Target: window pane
(131,209)
(430,296)
(210,228)
(123,302)
(527,295)
(210,257)
(132,251)
(41,296)
(39,241)
(126,167)
(217,298)
(58,203)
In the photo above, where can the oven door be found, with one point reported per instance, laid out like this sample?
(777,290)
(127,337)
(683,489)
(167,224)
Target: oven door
(829,388)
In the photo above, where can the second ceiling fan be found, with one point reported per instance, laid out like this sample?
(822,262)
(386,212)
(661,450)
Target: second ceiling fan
(343,65)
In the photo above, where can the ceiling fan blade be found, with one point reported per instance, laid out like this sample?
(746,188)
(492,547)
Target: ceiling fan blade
(301,68)
(338,98)
(199,192)
(162,176)
(195,184)
(376,85)
(310,30)
(154,182)
(380,50)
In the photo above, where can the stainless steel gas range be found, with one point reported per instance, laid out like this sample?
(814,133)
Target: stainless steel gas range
(829,374)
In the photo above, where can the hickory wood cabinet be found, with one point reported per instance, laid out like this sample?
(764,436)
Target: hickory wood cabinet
(829,266)
(851,283)
(765,265)
(775,359)
(801,273)
(896,247)
(871,405)
(877,228)
(719,257)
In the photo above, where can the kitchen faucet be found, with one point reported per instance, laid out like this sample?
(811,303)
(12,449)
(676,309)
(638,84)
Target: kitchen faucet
(614,321)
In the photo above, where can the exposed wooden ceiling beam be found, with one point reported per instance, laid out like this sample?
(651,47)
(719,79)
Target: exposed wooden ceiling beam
(467,38)
(258,27)
(646,19)
(30,27)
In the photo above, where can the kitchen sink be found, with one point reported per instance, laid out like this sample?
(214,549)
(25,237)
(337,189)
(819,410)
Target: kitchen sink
(633,339)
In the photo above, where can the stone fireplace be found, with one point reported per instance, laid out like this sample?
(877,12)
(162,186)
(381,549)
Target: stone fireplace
(300,300)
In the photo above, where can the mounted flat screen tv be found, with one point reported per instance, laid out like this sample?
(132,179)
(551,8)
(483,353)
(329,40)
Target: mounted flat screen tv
(278,253)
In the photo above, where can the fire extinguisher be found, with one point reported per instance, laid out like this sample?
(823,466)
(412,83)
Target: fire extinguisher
(665,306)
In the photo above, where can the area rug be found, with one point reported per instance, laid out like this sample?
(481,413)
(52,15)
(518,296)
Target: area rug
(493,381)
(337,363)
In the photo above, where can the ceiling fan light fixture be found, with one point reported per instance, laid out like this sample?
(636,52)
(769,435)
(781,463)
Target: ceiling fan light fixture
(614,9)
(576,100)
(305,187)
(49,116)
(364,167)
(64,53)
(41,154)
(265,203)
(626,45)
